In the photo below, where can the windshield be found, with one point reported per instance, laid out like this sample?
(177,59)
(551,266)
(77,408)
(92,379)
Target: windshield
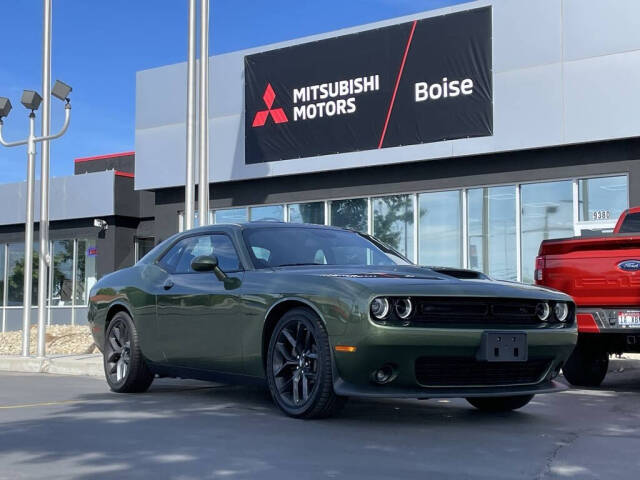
(287,246)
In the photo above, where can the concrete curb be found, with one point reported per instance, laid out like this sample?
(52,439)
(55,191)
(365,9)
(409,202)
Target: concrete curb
(628,361)
(88,365)
(91,365)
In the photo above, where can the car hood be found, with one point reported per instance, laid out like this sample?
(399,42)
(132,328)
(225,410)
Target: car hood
(433,281)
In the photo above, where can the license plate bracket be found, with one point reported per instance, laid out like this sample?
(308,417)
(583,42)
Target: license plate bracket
(503,347)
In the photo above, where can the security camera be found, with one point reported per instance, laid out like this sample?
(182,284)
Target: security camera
(31,100)
(101,224)
(5,107)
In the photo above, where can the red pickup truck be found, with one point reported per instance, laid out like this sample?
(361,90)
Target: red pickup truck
(602,274)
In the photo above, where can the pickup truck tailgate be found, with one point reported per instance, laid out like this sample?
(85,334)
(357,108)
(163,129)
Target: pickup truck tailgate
(603,271)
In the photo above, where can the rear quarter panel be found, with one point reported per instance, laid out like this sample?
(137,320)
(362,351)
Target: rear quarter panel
(131,289)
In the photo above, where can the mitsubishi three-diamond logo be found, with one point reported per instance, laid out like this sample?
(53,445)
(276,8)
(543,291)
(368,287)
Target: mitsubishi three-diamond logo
(277,114)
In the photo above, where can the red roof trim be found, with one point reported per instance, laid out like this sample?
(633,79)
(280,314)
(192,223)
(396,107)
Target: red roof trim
(102,157)
(124,174)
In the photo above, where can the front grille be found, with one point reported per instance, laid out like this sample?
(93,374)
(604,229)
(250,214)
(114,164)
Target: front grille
(472,311)
(461,371)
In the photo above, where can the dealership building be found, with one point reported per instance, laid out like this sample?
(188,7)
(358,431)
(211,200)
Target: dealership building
(462,136)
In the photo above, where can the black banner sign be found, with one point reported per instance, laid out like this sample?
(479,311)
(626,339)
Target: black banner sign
(416,82)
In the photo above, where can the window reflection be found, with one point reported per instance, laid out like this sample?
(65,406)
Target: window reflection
(547,212)
(602,199)
(269,212)
(231,215)
(352,213)
(85,270)
(62,281)
(312,212)
(440,235)
(492,231)
(393,222)
(15,274)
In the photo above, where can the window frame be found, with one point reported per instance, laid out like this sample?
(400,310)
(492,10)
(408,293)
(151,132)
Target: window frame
(158,261)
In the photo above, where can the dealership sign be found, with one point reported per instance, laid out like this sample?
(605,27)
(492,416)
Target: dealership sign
(416,82)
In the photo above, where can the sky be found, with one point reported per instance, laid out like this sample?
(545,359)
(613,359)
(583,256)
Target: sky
(99,45)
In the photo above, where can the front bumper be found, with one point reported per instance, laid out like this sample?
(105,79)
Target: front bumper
(402,347)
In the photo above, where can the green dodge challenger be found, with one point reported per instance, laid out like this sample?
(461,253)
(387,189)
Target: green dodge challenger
(319,314)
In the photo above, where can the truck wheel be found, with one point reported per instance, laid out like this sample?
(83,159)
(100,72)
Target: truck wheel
(586,367)
(499,404)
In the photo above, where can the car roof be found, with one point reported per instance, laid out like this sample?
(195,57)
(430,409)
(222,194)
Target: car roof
(261,224)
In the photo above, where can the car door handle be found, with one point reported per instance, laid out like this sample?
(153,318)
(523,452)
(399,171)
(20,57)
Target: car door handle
(168,284)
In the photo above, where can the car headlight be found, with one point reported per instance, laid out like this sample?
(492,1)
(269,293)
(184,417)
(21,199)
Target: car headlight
(543,311)
(379,307)
(404,308)
(561,311)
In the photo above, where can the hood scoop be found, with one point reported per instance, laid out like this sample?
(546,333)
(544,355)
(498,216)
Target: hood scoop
(460,273)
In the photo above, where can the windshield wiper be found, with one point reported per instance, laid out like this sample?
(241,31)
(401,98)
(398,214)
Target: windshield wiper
(298,264)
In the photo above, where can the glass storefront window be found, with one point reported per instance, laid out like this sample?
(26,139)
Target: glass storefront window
(602,199)
(62,286)
(15,275)
(393,222)
(440,234)
(312,212)
(547,212)
(85,270)
(352,213)
(492,231)
(231,215)
(268,212)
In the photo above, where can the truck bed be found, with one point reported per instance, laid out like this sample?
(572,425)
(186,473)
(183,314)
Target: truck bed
(589,269)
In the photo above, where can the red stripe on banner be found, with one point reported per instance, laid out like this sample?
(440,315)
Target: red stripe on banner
(395,89)
(102,157)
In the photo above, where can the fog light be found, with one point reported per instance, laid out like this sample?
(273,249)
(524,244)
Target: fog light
(561,311)
(384,374)
(380,307)
(404,308)
(543,311)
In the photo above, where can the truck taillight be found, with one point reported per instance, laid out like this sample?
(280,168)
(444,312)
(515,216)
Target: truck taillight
(539,273)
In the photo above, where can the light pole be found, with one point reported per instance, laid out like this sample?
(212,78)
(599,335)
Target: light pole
(44,258)
(189,190)
(203,184)
(31,100)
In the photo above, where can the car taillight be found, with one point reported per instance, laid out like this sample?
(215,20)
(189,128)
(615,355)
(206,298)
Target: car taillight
(539,273)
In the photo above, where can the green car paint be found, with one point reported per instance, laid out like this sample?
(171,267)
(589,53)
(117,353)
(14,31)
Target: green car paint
(202,327)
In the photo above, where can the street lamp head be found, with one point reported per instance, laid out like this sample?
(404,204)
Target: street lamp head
(5,107)
(31,99)
(61,90)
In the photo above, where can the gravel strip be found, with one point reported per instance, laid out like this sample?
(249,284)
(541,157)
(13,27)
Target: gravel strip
(60,340)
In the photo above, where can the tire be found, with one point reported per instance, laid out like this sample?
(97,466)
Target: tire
(299,368)
(124,365)
(500,404)
(586,367)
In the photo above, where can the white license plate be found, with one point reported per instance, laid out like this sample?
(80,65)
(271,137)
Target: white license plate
(629,319)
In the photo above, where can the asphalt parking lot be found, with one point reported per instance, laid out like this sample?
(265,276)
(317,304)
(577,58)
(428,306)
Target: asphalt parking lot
(72,427)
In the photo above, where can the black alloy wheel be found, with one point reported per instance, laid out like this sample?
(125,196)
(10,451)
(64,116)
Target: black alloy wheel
(295,363)
(299,369)
(119,352)
(124,366)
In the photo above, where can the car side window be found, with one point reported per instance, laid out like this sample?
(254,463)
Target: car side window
(178,259)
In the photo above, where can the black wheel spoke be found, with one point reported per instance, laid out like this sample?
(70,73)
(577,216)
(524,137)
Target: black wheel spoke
(305,388)
(289,337)
(113,357)
(296,388)
(283,351)
(114,344)
(118,352)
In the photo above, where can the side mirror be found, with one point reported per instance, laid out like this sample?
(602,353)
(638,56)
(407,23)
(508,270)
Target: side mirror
(208,263)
